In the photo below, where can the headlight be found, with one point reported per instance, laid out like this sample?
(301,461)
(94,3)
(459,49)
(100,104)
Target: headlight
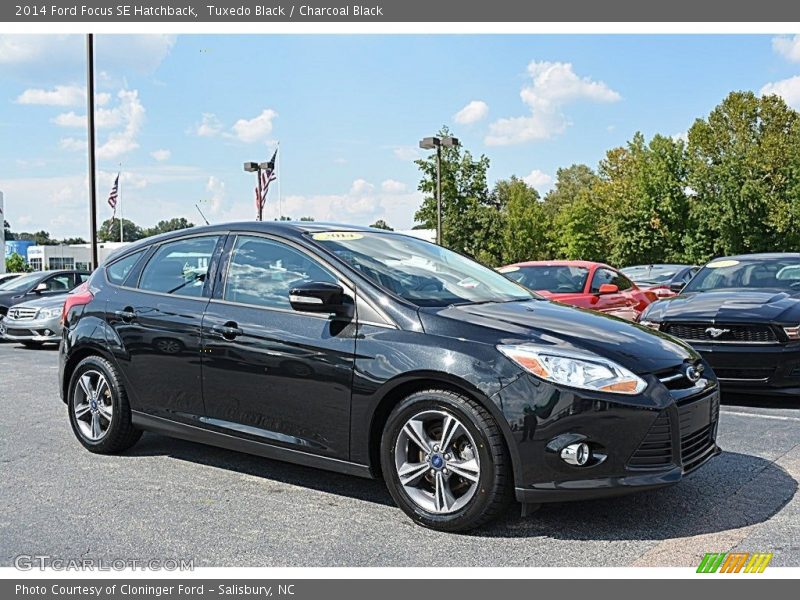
(651,324)
(49,313)
(575,369)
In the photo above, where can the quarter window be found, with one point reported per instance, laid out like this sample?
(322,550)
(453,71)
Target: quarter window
(118,271)
(262,272)
(180,267)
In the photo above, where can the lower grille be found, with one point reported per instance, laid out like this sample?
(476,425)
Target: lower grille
(699,332)
(696,446)
(754,374)
(655,451)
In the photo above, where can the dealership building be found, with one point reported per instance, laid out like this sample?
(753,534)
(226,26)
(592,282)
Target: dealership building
(74,256)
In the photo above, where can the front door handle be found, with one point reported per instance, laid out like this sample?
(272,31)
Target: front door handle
(127,314)
(229,331)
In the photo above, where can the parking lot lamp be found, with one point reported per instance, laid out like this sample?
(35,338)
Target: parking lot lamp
(429,143)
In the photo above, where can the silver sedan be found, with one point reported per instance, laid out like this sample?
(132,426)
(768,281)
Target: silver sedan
(34,323)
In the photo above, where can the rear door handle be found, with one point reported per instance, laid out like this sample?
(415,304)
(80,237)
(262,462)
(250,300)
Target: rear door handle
(127,314)
(229,331)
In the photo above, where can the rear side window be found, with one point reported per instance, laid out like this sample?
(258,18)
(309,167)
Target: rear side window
(262,272)
(118,271)
(180,267)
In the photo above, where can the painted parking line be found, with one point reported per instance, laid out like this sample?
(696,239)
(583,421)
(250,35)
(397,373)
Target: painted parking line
(739,413)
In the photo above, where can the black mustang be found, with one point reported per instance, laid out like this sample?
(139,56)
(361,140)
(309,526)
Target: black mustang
(743,314)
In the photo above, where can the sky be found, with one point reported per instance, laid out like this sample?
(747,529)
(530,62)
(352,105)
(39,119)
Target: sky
(179,115)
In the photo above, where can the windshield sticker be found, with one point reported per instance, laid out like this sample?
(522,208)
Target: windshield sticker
(721,264)
(507,269)
(339,236)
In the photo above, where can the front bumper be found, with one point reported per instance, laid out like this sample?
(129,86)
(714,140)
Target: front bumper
(31,330)
(772,370)
(638,443)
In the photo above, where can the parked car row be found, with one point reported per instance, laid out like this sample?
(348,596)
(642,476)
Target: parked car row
(31,305)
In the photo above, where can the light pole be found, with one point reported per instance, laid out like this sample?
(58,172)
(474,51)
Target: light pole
(92,157)
(429,143)
(254,167)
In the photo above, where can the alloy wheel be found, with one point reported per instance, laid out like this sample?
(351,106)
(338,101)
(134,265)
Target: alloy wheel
(93,405)
(437,462)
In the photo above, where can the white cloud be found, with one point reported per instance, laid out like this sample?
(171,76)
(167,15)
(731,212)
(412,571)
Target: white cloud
(405,153)
(248,131)
(553,85)
(72,144)
(161,155)
(215,187)
(788,89)
(60,95)
(361,187)
(473,112)
(539,180)
(255,130)
(787,46)
(393,186)
(103,118)
(209,126)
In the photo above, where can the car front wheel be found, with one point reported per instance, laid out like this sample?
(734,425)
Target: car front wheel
(445,462)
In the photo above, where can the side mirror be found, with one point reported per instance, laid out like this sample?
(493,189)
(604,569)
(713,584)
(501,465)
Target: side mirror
(42,287)
(319,297)
(676,286)
(608,288)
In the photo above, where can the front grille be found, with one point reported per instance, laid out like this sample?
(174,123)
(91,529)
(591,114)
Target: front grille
(655,451)
(18,332)
(699,332)
(22,314)
(745,374)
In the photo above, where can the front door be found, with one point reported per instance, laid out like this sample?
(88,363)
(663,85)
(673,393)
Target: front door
(270,373)
(619,303)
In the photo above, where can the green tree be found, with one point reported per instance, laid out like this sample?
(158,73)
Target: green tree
(744,173)
(72,241)
(7,233)
(581,228)
(466,203)
(526,228)
(571,183)
(109,231)
(174,224)
(40,238)
(16,264)
(381,224)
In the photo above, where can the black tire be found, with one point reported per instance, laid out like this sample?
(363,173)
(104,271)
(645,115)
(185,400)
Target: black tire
(121,434)
(494,491)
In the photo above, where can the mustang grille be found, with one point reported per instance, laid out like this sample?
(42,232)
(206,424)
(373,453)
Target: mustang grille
(699,332)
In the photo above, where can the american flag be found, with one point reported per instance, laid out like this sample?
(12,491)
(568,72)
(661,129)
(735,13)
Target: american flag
(267,176)
(112,197)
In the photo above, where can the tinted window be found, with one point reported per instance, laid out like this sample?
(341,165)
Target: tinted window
(262,272)
(118,271)
(60,283)
(180,267)
(777,273)
(558,279)
(603,276)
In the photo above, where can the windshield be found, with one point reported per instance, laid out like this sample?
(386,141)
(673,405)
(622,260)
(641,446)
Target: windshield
(652,274)
(418,271)
(20,283)
(775,273)
(557,279)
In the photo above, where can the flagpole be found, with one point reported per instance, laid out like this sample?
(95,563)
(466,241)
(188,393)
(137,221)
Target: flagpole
(119,199)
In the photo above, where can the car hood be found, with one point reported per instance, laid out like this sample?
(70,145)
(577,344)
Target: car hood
(48,302)
(10,298)
(637,348)
(729,306)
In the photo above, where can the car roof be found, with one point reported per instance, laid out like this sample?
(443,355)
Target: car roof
(761,256)
(659,265)
(586,264)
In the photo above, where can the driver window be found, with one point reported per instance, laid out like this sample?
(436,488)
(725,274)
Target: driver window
(263,271)
(601,276)
(59,283)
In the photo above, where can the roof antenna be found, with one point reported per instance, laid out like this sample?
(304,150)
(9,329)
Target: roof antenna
(201,214)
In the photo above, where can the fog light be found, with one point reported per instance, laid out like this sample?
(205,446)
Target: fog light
(576,454)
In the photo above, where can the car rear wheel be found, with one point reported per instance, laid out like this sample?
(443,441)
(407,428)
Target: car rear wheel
(445,462)
(98,408)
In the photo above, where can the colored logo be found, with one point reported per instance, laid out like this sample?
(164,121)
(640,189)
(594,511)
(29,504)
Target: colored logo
(734,562)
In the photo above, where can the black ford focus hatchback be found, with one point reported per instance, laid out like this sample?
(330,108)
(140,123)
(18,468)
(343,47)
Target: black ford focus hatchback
(380,355)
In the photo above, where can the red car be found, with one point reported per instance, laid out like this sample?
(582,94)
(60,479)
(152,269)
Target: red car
(591,285)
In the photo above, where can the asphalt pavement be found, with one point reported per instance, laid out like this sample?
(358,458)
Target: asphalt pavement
(172,499)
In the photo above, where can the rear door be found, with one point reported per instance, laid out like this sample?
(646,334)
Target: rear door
(270,373)
(155,315)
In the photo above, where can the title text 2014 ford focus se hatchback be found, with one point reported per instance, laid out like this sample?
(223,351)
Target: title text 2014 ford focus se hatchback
(377,354)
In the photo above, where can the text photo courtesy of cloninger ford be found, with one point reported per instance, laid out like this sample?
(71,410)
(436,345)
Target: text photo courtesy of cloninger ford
(400,301)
